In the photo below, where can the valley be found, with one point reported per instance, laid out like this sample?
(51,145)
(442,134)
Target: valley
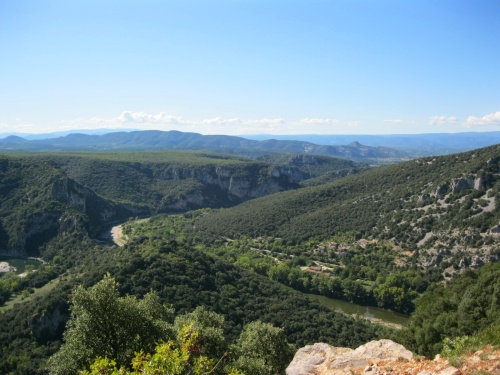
(115,235)
(249,187)
(253,240)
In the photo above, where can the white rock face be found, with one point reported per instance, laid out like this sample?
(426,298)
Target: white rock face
(384,349)
(324,359)
(5,267)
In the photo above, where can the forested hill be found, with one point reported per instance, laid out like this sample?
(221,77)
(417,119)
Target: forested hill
(44,194)
(434,206)
(175,140)
(39,202)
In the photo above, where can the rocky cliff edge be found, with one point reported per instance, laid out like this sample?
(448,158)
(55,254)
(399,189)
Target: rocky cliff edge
(385,357)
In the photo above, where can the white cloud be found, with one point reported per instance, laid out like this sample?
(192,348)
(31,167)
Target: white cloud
(240,126)
(222,121)
(141,117)
(18,128)
(127,119)
(491,119)
(443,120)
(268,121)
(164,121)
(138,120)
(319,121)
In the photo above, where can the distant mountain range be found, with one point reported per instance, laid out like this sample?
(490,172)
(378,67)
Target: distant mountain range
(34,136)
(175,140)
(416,144)
(408,145)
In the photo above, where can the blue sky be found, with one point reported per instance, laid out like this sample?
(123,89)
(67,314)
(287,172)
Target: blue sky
(250,66)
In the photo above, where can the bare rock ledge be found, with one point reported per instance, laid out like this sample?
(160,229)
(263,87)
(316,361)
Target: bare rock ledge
(385,357)
(319,359)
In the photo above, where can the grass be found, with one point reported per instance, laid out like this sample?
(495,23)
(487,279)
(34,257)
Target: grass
(458,348)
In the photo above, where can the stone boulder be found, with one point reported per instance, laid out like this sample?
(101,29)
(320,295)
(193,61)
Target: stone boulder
(319,359)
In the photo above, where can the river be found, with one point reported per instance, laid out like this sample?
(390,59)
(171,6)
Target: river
(20,263)
(372,313)
(113,235)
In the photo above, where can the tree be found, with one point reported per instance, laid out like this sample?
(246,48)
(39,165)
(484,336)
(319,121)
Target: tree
(397,291)
(210,329)
(175,357)
(262,349)
(103,324)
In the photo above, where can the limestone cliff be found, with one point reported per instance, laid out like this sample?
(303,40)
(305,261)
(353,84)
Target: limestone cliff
(236,184)
(60,207)
(65,190)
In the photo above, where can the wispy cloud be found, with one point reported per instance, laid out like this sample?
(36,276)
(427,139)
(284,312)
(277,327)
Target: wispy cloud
(491,119)
(443,120)
(240,126)
(164,121)
(126,119)
(319,121)
(396,121)
(222,121)
(19,127)
(141,117)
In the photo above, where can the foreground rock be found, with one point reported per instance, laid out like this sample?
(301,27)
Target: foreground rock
(326,359)
(385,357)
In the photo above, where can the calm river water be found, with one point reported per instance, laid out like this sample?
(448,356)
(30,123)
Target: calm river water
(20,263)
(365,311)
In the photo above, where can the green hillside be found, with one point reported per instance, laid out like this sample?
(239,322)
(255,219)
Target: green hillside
(380,237)
(468,308)
(91,189)
(183,277)
(160,180)
(312,170)
(39,202)
(426,204)
(179,180)
(29,210)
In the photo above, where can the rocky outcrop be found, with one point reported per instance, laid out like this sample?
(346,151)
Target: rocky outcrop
(325,359)
(459,184)
(237,184)
(385,357)
(5,267)
(87,213)
(66,190)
